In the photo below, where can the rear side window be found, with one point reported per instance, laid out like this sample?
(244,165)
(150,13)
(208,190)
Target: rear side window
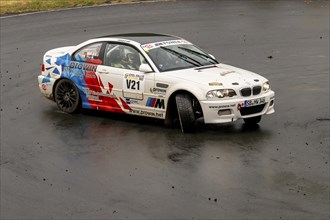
(89,54)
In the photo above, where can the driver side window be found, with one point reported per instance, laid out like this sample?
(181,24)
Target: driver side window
(122,56)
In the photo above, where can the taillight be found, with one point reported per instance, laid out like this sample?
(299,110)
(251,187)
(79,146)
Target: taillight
(42,67)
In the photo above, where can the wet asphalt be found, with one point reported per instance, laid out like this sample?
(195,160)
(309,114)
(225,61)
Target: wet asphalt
(96,165)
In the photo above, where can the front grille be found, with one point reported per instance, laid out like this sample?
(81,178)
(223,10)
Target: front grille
(252,110)
(256,90)
(246,92)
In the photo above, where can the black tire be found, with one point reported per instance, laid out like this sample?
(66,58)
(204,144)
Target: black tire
(186,113)
(253,120)
(67,96)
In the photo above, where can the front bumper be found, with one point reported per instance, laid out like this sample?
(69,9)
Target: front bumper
(46,86)
(222,111)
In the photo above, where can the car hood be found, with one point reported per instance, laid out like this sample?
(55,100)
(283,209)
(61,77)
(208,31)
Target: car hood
(222,75)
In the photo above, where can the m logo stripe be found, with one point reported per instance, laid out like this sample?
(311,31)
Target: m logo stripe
(156,103)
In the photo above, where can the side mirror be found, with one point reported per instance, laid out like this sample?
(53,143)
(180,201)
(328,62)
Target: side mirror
(145,68)
(213,57)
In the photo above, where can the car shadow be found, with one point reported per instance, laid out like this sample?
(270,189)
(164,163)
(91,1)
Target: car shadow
(145,123)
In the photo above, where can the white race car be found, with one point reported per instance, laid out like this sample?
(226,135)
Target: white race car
(153,75)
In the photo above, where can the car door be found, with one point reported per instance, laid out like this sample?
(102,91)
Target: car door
(82,71)
(120,76)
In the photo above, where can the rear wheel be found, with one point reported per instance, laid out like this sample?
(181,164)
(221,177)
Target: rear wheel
(67,96)
(252,121)
(186,113)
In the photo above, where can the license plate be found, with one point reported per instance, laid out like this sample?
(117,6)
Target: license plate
(253,102)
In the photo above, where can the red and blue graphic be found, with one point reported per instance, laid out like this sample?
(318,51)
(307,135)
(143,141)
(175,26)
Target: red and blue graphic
(90,86)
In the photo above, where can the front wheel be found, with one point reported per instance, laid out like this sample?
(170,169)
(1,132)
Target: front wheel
(67,96)
(186,113)
(252,121)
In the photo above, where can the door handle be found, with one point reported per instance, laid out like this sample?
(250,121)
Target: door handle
(102,71)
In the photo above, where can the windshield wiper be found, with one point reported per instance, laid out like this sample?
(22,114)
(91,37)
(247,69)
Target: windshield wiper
(182,56)
(198,53)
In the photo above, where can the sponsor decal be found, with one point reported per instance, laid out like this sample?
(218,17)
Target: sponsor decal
(93,97)
(147,46)
(151,46)
(89,92)
(83,66)
(88,75)
(147,113)
(155,103)
(215,84)
(158,91)
(44,87)
(133,76)
(131,101)
(124,40)
(222,106)
(133,82)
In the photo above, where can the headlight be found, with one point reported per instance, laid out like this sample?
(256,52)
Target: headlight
(220,93)
(266,87)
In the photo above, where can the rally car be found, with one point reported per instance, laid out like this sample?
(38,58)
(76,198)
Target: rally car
(153,75)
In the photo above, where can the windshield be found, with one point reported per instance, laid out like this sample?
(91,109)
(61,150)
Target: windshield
(177,55)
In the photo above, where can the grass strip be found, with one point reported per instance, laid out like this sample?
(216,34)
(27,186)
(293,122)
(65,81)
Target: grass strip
(20,6)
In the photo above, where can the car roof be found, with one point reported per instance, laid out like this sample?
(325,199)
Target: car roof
(143,38)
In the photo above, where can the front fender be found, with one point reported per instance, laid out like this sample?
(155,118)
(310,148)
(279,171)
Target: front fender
(196,90)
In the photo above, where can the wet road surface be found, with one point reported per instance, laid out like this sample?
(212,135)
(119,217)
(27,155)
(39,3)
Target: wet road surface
(97,165)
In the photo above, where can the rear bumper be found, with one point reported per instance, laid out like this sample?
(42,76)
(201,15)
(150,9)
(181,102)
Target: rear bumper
(46,86)
(230,110)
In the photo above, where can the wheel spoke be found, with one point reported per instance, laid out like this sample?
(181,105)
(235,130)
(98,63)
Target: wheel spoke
(67,104)
(73,99)
(67,96)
